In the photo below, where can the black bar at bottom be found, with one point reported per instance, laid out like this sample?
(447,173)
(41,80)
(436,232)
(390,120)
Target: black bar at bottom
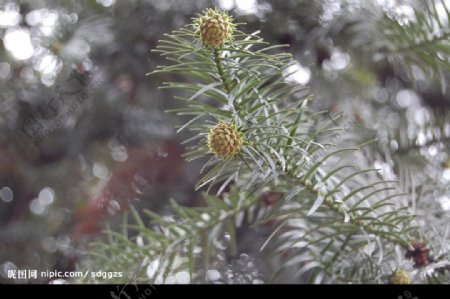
(143,291)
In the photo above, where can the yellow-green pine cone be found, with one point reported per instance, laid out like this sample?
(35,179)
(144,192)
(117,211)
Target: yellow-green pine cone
(400,276)
(215,28)
(225,140)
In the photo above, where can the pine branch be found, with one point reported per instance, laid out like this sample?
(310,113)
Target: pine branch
(422,42)
(264,136)
(220,70)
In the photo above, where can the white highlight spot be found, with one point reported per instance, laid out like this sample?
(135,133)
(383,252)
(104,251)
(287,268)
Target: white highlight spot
(9,17)
(152,268)
(247,6)
(46,196)
(58,281)
(36,207)
(18,43)
(338,61)
(213,275)
(445,202)
(446,175)
(48,23)
(297,74)
(47,64)
(226,4)
(406,98)
(6,194)
(441,12)
(100,170)
(106,3)
(182,277)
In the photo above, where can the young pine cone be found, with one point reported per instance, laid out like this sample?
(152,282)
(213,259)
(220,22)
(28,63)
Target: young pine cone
(215,28)
(225,140)
(400,276)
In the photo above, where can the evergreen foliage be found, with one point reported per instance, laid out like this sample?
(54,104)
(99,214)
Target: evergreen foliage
(324,214)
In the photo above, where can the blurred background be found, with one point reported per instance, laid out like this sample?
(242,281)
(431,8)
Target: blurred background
(83,132)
